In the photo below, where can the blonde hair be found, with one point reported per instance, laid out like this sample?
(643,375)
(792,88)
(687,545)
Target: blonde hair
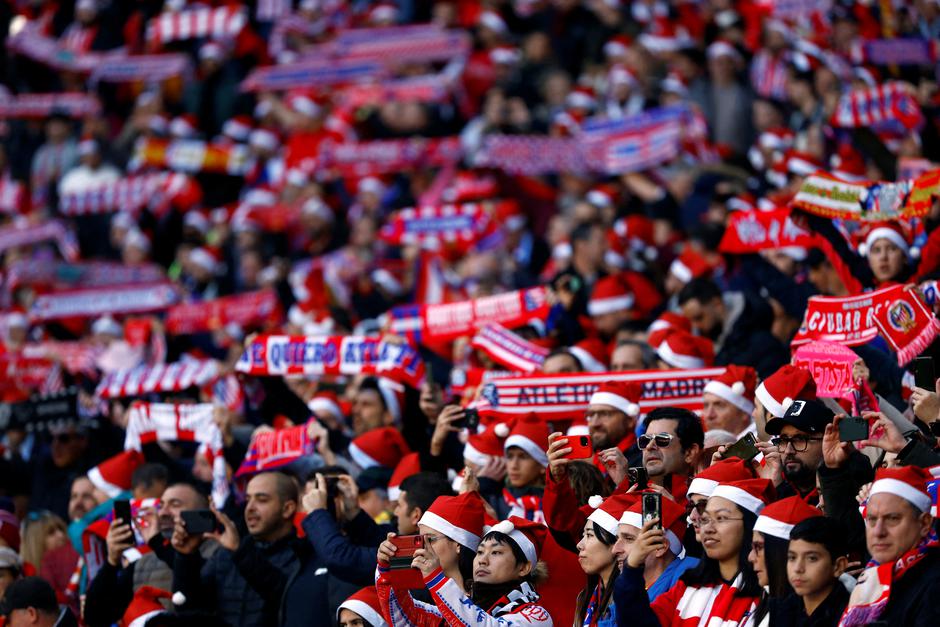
(36,528)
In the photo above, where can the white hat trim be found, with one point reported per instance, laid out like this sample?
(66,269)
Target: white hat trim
(95,476)
(739,497)
(675,359)
(635,519)
(527,445)
(319,403)
(141,620)
(774,527)
(920,500)
(602,306)
(682,271)
(615,401)
(474,455)
(528,548)
(722,390)
(889,234)
(607,522)
(449,529)
(700,485)
(769,402)
(364,610)
(362,459)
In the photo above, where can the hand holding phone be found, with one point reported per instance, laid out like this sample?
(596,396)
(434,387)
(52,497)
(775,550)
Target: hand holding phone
(200,521)
(653,508)
(638,477)
(581,447)
(401,572)
(745,448)
(853,429)
(122,512)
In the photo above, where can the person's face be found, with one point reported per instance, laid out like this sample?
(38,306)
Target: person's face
(81,498)
(202,469)
(495,563)
(594,556)
(406,516)
(892,527)
(885,260)
(811,569)
(57,130)
(348,618)
(801,467)
(668,460)
(55,537)
(67,448)
(627,357)
(608,323)
(756,557)
(705,317)
(266,514)
(720,414)
(607,426)
(521,468)
(724,533)
(697,503)
(626,537)
(6,578)
(447,550)
(562,363)
(368,412)
(176,499)
(23,618)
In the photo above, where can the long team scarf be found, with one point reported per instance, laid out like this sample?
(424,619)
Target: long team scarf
(14,237)
(830,197)
(173,377)
(445,322)
(592,615)
(280,355)
(389,155)
(76,357)
(890,104)
(127,69)
(224,22)
(459,226)
(73,104)
(83,274)
(165,422)
(566,396)
(509,349)
(421,43)
(426,89)
(753,231)
(873,592)
(246,310)
(131,194)
(312,74)
(91,303)
(274,449)
(191,156)
(895,312)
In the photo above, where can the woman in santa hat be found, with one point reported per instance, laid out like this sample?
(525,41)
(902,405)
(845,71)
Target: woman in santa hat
(505,569)
(723,588)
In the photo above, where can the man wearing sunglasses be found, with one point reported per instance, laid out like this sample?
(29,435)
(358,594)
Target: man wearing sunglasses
(671,447)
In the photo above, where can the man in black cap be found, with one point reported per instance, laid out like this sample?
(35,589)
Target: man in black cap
(798,436)
(31,602)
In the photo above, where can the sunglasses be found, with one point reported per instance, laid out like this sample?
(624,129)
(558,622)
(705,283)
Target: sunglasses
(663,440)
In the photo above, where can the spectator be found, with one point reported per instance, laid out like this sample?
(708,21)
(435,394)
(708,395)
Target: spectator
(31,601)
(42,532)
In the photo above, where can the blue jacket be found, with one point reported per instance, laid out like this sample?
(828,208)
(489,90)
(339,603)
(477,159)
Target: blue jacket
(670,576)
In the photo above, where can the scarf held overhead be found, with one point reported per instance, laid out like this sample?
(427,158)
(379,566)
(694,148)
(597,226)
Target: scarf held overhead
(830,197)
(245,310)
(895,312)
(273,449)
(508,349)
(753,231)
(91,303)
(173,377)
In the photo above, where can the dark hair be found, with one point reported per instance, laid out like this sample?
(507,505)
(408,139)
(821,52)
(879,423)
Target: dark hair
(565,351)
(285,486)
(148,475)
(688,425)
(465,565)
(701,289)
(582,231)
(586,480)
(584,597)
(829,532)
(422,488)
(775,563)
(372,383)
(201,501)
(708,573)
(647,353)
(517,553)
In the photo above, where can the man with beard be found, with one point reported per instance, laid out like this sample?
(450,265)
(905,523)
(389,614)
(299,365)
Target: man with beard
(113,587)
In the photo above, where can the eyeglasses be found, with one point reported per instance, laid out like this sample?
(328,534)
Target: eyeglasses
(758,547)
(600,414)
(800,442)
(721,521)
(663,440)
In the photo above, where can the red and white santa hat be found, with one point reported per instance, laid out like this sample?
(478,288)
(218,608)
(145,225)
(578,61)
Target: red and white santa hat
(144,605)
(238,128)
(778,391)
(620,74)
(609,512)
(617,46)
(393,393)
(460,518)
(581,97)
(483,446)
(591,353)
(493,21)
(750,494)
(722,471)
(669,320)
(602,196)
(366,604)
(736,386)
(528,536)
(907,482)
(684,350)
(689,264)
(326,402)
(780,517)
(504,55)
(184,126)
(409,465)
(531,435)
(610,295)
(673,521)
(621,395)
(894,232)
(113,475)
(384,446)
(264,139)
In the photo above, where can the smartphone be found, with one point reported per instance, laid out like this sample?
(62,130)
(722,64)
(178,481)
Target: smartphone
(745,448)
(653,508)
(924,376)
(853,428)
(638,477)
(470,420)
(122,511)
(581,447)
(405,550)
(199,521)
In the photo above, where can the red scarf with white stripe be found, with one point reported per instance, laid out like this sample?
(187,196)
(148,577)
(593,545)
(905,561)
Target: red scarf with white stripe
(508,349)
(173,377)
(686,606)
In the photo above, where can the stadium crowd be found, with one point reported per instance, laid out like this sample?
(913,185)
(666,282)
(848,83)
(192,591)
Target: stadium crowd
(469,312)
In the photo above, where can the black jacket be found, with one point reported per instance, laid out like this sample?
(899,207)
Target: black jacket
(746,337)
(790,611)
(913,600)
(838,487)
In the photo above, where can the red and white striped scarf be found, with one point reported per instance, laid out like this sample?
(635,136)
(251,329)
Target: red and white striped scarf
(14,237)
(91,303)
(130,194)
(173,377)
(889,103)
(191,156)
(457,226)
(13,195)
(769,75)
(77,38)
(509,349)
(686,606)
(202,22)
(245,310)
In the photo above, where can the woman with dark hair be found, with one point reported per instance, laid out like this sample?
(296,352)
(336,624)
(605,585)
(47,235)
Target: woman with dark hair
(451,528)
(504,572)
(723,588)
(362,609)
(769,544)
(595,605)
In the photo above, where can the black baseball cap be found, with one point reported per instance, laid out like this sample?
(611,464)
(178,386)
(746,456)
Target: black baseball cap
(807,416)
(32,592)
